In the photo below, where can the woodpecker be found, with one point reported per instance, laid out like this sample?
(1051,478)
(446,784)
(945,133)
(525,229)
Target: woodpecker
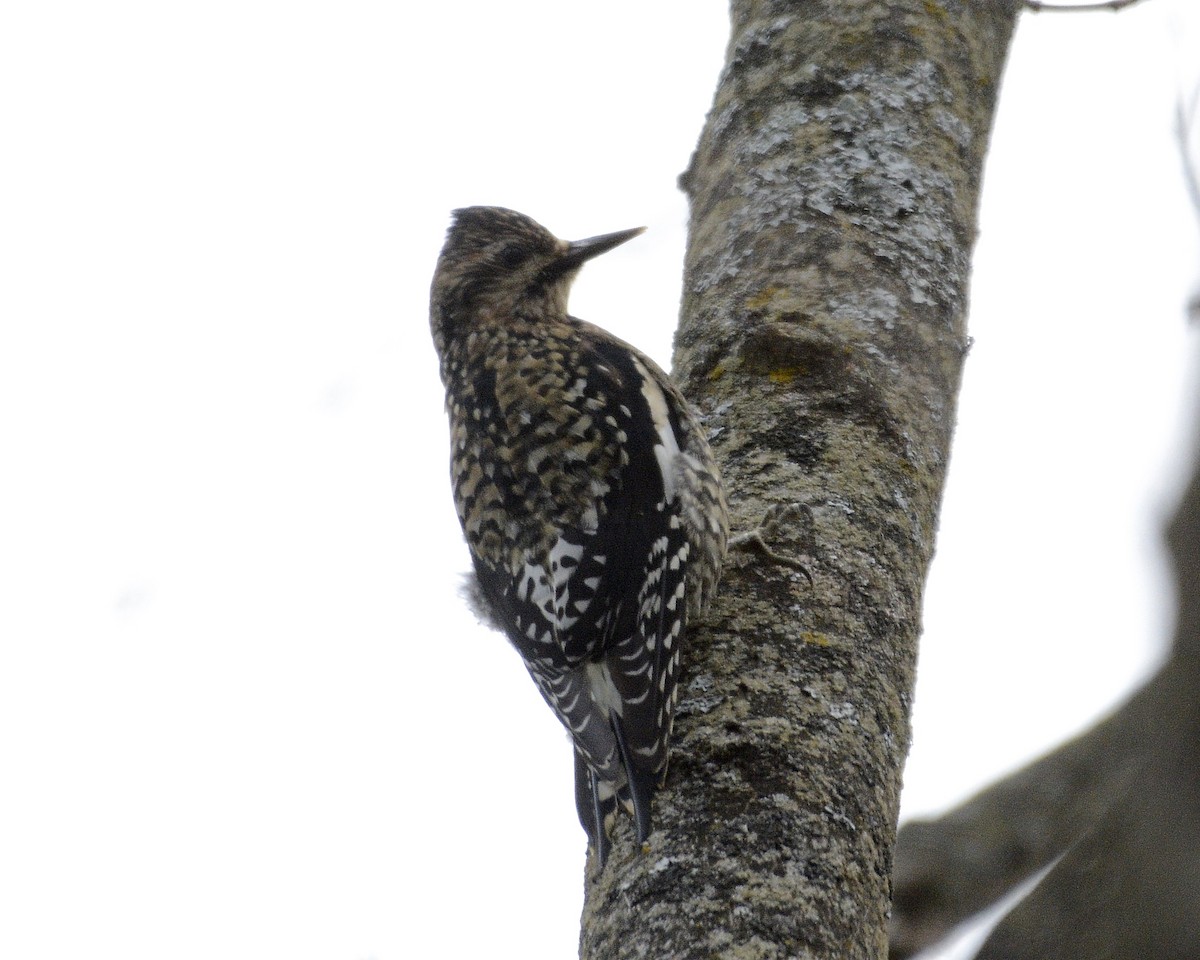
(588,496)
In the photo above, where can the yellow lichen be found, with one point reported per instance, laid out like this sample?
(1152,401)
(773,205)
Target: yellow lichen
(760,300)
(784,375)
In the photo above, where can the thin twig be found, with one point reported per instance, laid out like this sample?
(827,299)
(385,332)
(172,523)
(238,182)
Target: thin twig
(1038,7)
(1185,122)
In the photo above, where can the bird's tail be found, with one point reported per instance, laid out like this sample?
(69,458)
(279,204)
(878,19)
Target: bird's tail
(597,800)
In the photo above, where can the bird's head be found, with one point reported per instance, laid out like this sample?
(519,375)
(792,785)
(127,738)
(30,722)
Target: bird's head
(497,263)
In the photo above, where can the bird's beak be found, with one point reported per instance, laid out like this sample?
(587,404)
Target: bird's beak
(579,251)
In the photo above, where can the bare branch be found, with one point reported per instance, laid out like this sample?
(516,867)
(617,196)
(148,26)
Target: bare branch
(1114,5)
(964,861)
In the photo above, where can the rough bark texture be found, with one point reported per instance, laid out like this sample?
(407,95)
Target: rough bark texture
(834,195)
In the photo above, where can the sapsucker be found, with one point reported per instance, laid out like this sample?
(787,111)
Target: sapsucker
(587,493)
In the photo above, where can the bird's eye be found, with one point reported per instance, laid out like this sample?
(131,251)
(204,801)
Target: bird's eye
(513,255)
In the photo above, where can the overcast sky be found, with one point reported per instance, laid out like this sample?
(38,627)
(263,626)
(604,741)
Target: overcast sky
(243,713)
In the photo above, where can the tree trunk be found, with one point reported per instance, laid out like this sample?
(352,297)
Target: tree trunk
(834,194)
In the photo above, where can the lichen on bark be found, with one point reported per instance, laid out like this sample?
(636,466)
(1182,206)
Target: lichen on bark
(822,335)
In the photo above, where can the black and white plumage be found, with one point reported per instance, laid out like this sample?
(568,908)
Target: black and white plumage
(587,493)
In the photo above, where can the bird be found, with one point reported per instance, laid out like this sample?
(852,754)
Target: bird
(588,495)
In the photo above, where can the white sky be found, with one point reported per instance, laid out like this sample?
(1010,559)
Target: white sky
(243,713)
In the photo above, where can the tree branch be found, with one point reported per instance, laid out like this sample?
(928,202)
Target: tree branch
(1121,803)
(1130,887)
(961,863)
(833,196)
(1114,5)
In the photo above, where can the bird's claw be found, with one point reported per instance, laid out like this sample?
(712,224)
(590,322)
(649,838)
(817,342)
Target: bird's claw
(777,516)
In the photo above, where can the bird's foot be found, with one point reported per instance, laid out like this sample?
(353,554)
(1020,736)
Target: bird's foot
(776,518)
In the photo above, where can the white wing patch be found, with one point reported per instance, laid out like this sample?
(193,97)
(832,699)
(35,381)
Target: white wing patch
(604,692)
(667,449)
(547,591)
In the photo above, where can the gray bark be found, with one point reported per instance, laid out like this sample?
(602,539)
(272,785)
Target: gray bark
(834,194)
